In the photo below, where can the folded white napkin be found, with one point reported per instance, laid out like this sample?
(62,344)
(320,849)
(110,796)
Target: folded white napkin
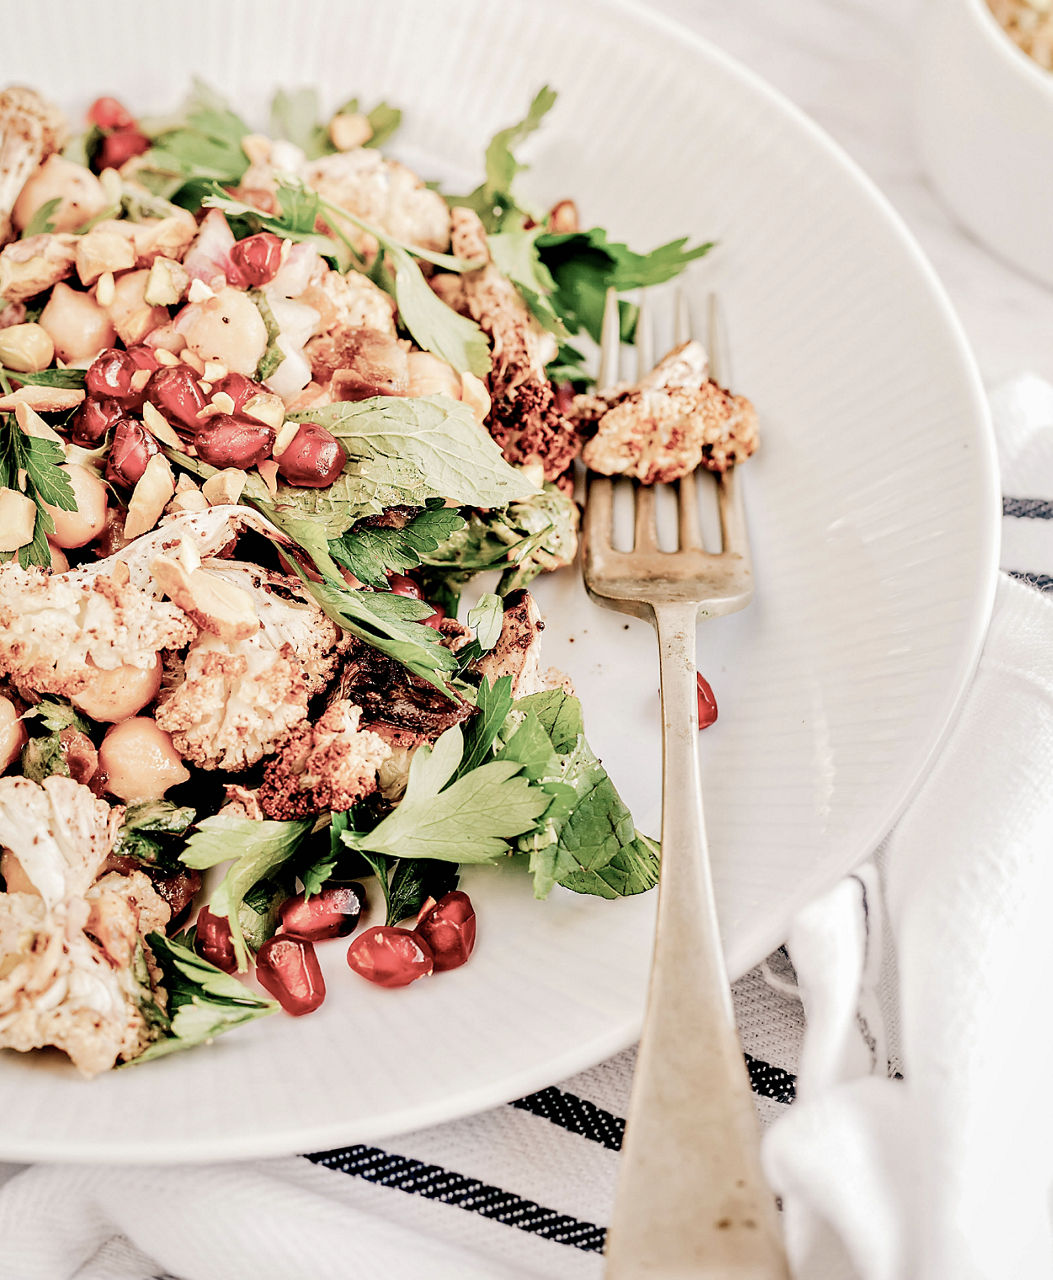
(936,958)
(920,1146)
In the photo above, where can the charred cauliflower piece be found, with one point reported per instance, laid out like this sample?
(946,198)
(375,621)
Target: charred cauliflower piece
(31,129)
(235,699)
(518,650)
(74,964)
(674,420)
(323,767)
(383,192)
(28,267)
(523,417)
(57,630)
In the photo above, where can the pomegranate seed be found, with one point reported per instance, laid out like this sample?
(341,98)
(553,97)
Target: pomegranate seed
(226,441)
(212,941)
(449,930)
(313,458)
(390,957)
(144,357)
(400,585)
(707,704)
(436,618)
(108,113)
(333,913)
(118,148)
(110,376)
(239,388)
(175,392)
(131,449)
(256,259)
(288,968)
(93,419)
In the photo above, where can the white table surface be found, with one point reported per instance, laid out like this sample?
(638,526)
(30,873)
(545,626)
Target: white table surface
(849,65)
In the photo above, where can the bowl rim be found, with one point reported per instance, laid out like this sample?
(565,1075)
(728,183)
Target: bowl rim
(1008,50)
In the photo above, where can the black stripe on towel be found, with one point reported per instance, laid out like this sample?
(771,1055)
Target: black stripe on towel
(435,1183)
(1028,508)
(771,1082)
(1043,581)
(577,1115)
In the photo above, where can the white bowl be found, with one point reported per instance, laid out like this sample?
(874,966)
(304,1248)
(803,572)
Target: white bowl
(984,118)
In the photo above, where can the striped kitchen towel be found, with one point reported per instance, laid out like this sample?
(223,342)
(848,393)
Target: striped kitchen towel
(906,1130)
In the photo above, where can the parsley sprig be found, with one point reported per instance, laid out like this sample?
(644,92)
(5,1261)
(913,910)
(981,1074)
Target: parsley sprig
(32,465)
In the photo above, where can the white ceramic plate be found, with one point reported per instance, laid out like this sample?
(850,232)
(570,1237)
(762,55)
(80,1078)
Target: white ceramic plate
(872,507)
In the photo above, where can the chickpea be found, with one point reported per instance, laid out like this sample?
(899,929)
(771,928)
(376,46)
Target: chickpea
(430,376)
(131,314)
(229,330)
(76,324)
(139,761)
(80,192)
(115,695)
(59,559)
(12,734)
(78,528)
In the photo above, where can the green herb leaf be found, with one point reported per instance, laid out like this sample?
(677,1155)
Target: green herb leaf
(401,452)
(494,200)
(31,466)
(149,831)
(295,116)
(515,254)
(203,1001)
(471,820)
(258,849)
(585,264)
(205,144)
(371,552)
(433,325)
(493,703)
(586,840)
(54,715)
(43,219)
(384,119)
(69,378)
(258,913)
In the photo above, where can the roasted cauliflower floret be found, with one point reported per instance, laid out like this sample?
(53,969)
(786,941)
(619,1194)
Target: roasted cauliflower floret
(58,630)
(28,267)
(383,192)
(75,968)
(31,129)
(235,699)
(523,417)
(323,767)
(350,302)
(674,420)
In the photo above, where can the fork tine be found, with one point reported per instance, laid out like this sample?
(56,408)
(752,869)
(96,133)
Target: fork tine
(732,516)
(683,327)
(610,343)
(646,531)
(689,529)
(716,344)
(599,510)
(644,337)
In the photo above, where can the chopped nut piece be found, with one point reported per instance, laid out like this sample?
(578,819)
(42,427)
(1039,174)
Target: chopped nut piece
(26,348)
(105,289)
(132,316)
(166,284)
(158,425)
(225,486)
(284,438)
(43,399)
(34,425)
(563,217)
(265,407)
(152,493)
(348,130)
(18,516)
(199,292)
(217,606)
(102,250)
(222,403)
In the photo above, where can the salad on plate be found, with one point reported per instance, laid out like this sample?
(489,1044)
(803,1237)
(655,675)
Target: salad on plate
(268,404)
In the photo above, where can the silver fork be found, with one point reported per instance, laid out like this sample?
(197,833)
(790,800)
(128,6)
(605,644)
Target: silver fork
(691,1198)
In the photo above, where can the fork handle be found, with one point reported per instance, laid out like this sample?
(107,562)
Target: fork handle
(691,1199)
